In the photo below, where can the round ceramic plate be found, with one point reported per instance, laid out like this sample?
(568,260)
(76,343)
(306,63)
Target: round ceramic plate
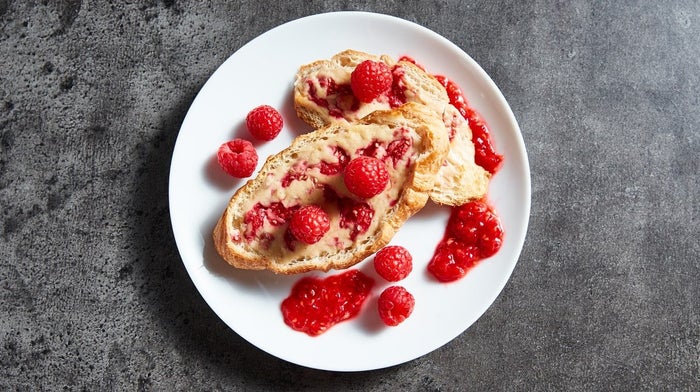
(262,72)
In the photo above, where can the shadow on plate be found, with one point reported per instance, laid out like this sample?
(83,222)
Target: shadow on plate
(218,177)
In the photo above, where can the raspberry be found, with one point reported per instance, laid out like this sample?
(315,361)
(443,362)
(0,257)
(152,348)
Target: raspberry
(309,224)
(370,79)
(366,176)
(395,305)
(393,263)
(238,158)
(452,260)
(264,122)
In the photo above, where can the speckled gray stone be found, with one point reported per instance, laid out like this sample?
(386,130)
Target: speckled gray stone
(93,295)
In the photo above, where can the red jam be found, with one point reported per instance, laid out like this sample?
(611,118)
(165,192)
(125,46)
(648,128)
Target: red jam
(473,233)
(344,98)
(485,155)
(397,95)
(393,151)
(355,216)
(333,168)
(315,305)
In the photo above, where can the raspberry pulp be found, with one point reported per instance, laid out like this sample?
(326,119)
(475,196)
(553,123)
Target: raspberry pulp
(452,260)
(332,168)
(355,216)
(238,158)
(473,233)
(397,94)
(398,148)
(264,122)
(309,224)
(339,97)
(395,305)
(395,150)
(393,263)
(476,224)
(276,214)
(485,154)
(366,176)
(370,79)
(315,305)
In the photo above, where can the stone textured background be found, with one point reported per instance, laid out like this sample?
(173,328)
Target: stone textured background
(93,295)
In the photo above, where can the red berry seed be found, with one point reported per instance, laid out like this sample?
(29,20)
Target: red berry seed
(393,263)
(370,79)
(366,176)
(395,305)
(238,158)
(309,224)
(264,122)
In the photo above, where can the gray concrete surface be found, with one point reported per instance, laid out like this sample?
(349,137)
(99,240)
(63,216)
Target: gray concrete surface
(93,295)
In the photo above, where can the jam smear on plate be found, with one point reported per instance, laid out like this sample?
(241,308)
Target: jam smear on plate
(473,233)
(315,305)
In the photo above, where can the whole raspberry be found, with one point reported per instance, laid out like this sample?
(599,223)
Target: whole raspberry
(395,305)
(370,79)
(366,176)
(264,122)
(309,224)
(393,263)
(238,158)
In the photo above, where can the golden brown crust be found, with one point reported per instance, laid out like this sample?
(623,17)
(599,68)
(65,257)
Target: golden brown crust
(419,180)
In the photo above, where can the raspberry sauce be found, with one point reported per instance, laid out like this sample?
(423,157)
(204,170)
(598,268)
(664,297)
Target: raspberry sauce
(397,94)
(485,154)
(473,233)
(344,100)
(275,213)
(474,230)
(355,215)
(315,305)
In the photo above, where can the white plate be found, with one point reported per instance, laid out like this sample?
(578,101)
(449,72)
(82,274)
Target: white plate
(262,72)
